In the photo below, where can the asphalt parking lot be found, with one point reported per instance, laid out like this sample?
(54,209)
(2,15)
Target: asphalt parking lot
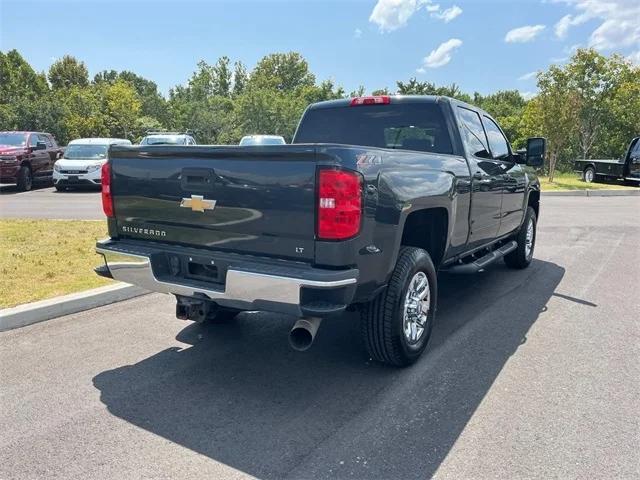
(44,201)
(531,373)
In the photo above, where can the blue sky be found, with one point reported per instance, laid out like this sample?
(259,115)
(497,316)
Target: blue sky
(480,45)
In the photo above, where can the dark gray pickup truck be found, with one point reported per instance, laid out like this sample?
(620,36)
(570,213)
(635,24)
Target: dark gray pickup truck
(627,168)
(374,196)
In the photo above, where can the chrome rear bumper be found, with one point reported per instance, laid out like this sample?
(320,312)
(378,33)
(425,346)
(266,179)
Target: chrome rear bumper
(243,289)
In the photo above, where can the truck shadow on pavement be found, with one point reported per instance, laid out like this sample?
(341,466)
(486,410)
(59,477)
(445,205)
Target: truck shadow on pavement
(240,396)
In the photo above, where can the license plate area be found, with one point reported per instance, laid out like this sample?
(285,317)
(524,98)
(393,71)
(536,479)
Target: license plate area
(174,267)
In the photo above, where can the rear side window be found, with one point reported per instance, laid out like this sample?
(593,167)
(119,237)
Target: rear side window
(409,126)
(497,143)
(473,133)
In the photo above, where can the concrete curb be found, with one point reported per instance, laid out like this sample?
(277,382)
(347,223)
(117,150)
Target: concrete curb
(35,312)
(593,193)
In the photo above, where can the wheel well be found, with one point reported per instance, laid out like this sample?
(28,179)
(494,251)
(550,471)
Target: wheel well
(427,229)
(26,164)
(591,166)
(534,202)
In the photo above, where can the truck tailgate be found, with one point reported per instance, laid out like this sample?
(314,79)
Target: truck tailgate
(258,200)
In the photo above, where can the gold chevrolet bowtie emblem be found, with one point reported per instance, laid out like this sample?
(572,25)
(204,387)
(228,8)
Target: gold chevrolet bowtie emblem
(197,203)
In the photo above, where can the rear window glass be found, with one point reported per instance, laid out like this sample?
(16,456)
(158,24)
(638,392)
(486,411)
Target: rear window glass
(417,126)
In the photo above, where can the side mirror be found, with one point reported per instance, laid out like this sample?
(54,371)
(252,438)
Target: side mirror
(41,146)
(536,151)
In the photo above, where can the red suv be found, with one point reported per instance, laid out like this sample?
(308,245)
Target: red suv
(26,157)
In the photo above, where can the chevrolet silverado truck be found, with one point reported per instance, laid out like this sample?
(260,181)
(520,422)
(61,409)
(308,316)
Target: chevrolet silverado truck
(627,168)
(372,198)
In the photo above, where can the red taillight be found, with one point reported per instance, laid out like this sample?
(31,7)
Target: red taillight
(375,100)
(107,199)
(339,204)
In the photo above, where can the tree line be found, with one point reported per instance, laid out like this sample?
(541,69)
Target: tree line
(589,107)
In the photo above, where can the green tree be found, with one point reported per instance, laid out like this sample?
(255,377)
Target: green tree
(222,77)
(557,108)
(153,104)
(18,80)
(83,113)
(68,72)
(122,107)
(284,72)
(240,78)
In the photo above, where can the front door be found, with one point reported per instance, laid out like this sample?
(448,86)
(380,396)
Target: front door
(486,179)
(39,158)
(513,178)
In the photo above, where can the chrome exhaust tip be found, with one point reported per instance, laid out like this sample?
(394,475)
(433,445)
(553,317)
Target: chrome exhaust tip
(303,333)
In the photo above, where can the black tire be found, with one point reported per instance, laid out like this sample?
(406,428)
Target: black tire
(519,258)
(221,315)
(382,319)
(25,180)
(589,175)
(60,188)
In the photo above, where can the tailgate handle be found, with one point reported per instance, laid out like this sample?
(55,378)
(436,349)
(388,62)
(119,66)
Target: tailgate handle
(197,179)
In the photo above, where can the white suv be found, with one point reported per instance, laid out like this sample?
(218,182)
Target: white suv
(81,163)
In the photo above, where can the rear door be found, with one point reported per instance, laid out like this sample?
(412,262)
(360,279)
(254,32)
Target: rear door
(487,175)
(249,199)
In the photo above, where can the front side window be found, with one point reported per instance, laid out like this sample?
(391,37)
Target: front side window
(473,133)
(46,140)
(33,140)
(497,143)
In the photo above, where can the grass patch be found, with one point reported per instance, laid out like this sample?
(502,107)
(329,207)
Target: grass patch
(45,258)
(572,181)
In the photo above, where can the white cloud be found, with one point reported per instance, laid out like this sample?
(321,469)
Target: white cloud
(421,70)
(528,95)
(619,25)
(357,33)
(391,15)
(448,14)
(523,34)
(635,58)
(528,76)
(565,23)
(441,55)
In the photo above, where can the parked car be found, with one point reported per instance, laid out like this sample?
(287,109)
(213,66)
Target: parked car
(262,140)
(168,138)
(26,157)
(627,168)
(81,163)
(374,196)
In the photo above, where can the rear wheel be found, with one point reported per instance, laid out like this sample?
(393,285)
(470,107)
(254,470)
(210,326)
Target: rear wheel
(396,325)
(25,180)
(521,257)
(589,174)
